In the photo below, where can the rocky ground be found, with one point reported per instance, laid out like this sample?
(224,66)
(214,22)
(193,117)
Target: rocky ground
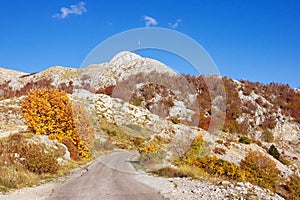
(187,189)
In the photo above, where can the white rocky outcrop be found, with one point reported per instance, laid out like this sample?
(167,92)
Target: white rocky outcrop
(8,74)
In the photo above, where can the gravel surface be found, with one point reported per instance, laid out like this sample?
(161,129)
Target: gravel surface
(187,189)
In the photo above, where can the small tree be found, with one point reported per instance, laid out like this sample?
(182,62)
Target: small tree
(49,112)
(273,151)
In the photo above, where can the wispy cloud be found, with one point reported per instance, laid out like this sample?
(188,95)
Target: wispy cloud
(77,9)
(176,24)
(150,21)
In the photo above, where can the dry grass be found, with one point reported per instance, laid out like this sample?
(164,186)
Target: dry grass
(14,176)
(24,164)
(121,137)
(182,171)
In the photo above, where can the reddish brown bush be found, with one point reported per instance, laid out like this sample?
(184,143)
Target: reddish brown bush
(220,151)
(74,153)
(108,90)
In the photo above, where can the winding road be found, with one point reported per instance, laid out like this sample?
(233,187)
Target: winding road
(111,177)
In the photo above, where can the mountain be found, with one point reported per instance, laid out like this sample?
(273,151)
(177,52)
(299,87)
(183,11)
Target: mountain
(145,99)
(92,78)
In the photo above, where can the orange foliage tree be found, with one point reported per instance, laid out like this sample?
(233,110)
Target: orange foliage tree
(49,112)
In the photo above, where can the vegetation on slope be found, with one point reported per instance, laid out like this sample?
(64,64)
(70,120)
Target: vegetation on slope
(24,162)
(49,112)
(120,137)
(255,168)
(279,96)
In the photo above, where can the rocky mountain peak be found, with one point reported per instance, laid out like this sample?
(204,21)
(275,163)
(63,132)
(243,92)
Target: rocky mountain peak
(124,57)
(126,64)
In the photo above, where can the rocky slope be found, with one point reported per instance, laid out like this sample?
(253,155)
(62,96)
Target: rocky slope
(146,99)
(92,78)
(8,74)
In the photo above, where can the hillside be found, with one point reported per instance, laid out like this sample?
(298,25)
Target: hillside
(140,103)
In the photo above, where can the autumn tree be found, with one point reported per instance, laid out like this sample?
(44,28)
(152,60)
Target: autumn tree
(49,112)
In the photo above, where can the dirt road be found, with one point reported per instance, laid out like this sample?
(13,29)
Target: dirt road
(111,177)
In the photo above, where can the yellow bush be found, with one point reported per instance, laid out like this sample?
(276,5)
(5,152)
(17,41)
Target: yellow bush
(219,167)
(49,112)
(293,188)
(260,170)
(150,147)
(195,151)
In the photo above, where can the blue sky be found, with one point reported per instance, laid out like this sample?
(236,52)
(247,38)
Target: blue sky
(258,40)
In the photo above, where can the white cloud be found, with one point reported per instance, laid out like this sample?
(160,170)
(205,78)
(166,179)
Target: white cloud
(77,9)
(150,21)
(176,24)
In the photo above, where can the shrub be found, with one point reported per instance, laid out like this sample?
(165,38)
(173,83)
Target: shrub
(181,171)
(35,157)
(49,112)
(84,125)
(219,167)
(108,90)
(293,188)
(267,136)
(195,151)
(39,161)
(220,141)
(170,172)
(150,147)
(204,122)
(74,153)
(245,140)
(274,152)
(247,90)
(260,101)
(14,176)
(175,120)
(137,102)
(220,151)
(258,142)
(269,123)
(260,170)
(194,157)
